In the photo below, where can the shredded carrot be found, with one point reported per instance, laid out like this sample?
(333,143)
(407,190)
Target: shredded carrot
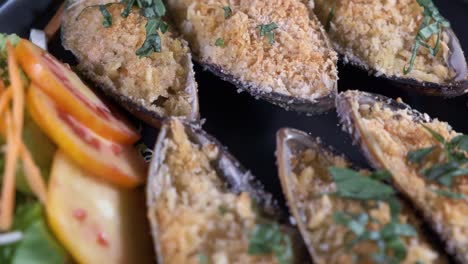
(2,85)
(18,90)
(7,202)
(14,129)
(33,174)
(5,98)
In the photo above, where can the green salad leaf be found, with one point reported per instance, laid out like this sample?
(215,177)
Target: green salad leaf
(38,245)
(4,38)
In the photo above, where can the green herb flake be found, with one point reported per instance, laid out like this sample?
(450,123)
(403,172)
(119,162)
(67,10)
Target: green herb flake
(330,16)
(222,209)
(432,24)
(267,238)
(268,30)
(351,184)
(418,156)
(203,259)
(106,16)
(450,194)
(455,156)
(219,42)
(153,11)
(128,7)
(227,11)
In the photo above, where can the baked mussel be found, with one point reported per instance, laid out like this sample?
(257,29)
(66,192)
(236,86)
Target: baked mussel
(347,215)
(407,41)
(134,57)
(205,208)
(427,159)
(275,50)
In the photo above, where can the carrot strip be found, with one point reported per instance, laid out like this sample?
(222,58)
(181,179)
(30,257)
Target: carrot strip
(33,174)
(18,90)
(2,85)
(7,202)
(54,24)
(32,171)
(5,99)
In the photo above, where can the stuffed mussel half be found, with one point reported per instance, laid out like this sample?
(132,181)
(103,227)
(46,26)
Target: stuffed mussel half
(134,56)
(347,216)
(204,208)
(427,159)
(273,49)
(407,41)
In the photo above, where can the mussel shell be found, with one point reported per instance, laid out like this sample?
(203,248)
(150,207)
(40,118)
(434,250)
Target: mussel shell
(456,87)
(316,106)
(288,142)
(351,124)
(132,105)
(232,173)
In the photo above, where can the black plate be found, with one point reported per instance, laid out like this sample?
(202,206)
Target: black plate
(248,126)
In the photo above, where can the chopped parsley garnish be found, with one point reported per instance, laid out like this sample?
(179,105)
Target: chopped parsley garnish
(452,161)
(330,16)
(227,11)
(153,11)
(106,16)
(433,23)
(352,185)
(267,238)
(203,259)
(268,30)
(450,194)
(222,209)
(219,42)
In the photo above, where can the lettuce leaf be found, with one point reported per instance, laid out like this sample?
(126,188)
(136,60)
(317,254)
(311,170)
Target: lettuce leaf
(14,39)
(38,245)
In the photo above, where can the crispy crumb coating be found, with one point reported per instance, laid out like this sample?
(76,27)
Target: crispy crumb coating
(381,34)
(299,63)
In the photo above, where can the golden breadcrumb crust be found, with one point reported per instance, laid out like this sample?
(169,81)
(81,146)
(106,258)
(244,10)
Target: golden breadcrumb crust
(381,34)
(308,180)
(197,217)
(299,63)
(158,82)
(389,136)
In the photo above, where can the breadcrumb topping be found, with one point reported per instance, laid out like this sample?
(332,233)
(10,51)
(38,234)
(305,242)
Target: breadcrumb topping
(160,82)
(381,35)
(299,63)
(310,181)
